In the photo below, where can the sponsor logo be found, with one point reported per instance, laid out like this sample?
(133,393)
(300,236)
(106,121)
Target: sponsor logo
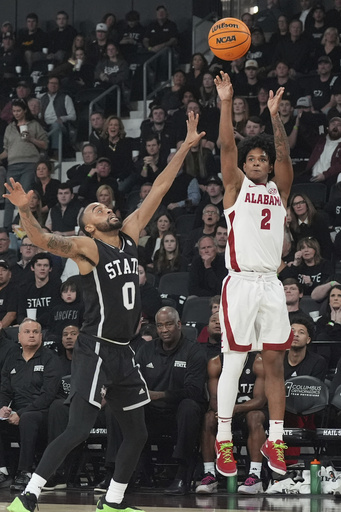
(225,39)
(224,25)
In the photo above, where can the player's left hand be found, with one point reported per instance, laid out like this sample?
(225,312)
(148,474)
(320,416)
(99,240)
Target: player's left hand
(274,100)
(319,177)
(193,137)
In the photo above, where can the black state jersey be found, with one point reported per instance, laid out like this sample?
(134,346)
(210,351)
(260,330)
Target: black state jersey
(247,380)
(111,293)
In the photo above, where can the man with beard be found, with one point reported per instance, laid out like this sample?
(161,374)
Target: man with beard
(103,362)
(324,162)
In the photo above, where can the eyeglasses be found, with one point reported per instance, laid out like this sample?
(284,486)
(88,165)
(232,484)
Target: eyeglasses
(299,203)
(28,245)
(210,212)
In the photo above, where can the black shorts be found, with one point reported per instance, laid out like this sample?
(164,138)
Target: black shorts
(103,369)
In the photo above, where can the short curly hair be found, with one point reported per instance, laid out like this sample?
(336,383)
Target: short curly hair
(263,141)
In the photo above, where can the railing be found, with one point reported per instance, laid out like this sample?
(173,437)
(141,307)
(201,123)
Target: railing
(102,95)
(58,165)
(212,16)
(145,67)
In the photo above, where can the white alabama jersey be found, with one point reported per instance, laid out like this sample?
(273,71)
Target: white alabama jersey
(255,226)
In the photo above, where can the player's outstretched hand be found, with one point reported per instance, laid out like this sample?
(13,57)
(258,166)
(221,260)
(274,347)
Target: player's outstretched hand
(224,86)
(16,194)
(193,137)
(274,101)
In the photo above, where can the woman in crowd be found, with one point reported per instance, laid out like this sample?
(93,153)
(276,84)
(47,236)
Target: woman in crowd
(199,66)
(46,186)
(24,141)
(169,97)
(113,70)
(240,115)
(76,73)
(328,327)
(35,206)
(308,267)
(208,91)
(161,225)
(118,148)
(306,221)
(106,196)
(168,258)
(330,46)
(78,42)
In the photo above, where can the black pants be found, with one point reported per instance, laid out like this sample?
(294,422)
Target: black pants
(82,417)
(31,426)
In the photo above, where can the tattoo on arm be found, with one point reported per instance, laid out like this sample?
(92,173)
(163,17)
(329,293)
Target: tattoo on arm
(280,139)
(60,243)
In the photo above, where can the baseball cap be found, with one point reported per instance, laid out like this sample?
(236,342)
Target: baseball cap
(335,118)
(251,64)
(104,159)
(4,264)
(214,179)
(318,6)
(324,58)
(5,23)
(304,102)
(101,27)
(257,29)
(24,83)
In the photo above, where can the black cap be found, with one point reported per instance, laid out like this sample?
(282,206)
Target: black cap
(214,179)
(257,29)
(318,6)
(104,159)
(24,83)
(324,58)
(4,264)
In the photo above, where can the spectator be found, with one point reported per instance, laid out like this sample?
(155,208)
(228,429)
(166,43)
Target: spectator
(21,271)
(35,207)
(117,148)
(75,74)
(57,110)
(198,67)
(285,111)
(111,22)
(150,298)
(106,196)
(186,94)
(267,18)
(328,326)
(333,18)
(61,38)
(130,36)
(247,84)
(154,161)
(8,297)
(260,50)
(79,42)
(97,48)
(254,126)
(63,217)
(161,224)
(99,174)
(207,270)
(10,57)
(46,186)
(23,141)
(220,237)
(23,92)
(210,217)
(97,121)
(208,91)
(39,297)
(77,173)
(320,87)
(159,127)
(214,193)
(168,258)
(305,16)
(70,309)
(240,115)
(330,47)
(214,306)
(262,110)
(25,397)
(296,50)
(308,267)
(213,340)
(32,40)
(169,97)
(335,111)
(113,69)
(281,32)
(249,413)
(7,254)
(318,27)
(307,222)
(69,337)
(177,391)
(293,294)
(144,191)
(281,78)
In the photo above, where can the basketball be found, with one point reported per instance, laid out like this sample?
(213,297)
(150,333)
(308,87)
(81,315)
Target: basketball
(229,39)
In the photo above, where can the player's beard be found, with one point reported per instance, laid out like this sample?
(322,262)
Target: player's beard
(106,227)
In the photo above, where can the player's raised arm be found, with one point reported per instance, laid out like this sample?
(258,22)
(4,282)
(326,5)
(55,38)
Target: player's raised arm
(283,167)
(232,176)
(140,218)
(67,247)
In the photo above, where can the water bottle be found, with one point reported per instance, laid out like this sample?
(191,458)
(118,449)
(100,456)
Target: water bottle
(315,477)
(232,484)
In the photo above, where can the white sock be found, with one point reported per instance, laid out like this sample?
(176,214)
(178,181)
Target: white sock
(35,485)
(4,470)
(255,468)
(233,365)
(276,430)
(115,493)
(209,467)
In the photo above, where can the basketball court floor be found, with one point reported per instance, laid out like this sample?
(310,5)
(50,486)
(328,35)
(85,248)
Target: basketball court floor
(75,501)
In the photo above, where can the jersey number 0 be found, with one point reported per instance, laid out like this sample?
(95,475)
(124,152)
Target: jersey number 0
(128,294)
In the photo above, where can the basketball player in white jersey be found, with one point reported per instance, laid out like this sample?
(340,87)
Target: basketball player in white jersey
(253,312)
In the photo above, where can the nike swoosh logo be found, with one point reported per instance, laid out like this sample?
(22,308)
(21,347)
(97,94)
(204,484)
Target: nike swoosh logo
(252,186)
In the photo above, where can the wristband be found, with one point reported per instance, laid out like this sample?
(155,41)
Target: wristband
(90,175)
(332,283)
(295,127)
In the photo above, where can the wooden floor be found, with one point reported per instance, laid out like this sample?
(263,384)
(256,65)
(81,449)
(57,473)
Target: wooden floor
(74,501)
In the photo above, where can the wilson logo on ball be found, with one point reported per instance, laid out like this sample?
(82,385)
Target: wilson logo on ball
(229,39)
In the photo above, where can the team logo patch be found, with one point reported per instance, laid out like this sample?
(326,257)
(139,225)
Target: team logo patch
(179,364)
(272,191)
(103,391)
(38,368)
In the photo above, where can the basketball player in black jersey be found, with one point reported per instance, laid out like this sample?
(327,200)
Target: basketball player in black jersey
(103,361)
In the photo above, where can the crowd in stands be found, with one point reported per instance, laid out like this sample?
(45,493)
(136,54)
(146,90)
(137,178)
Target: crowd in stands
(42,76)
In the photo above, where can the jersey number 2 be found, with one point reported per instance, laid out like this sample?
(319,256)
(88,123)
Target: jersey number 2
(128,294)
(266,214)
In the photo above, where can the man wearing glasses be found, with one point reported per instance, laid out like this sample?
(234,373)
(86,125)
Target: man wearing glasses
(21,272)
(6,253)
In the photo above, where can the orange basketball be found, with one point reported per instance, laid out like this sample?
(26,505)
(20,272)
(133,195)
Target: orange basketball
(229,39)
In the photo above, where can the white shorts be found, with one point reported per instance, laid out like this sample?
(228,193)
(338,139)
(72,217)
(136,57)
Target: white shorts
(253,313)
